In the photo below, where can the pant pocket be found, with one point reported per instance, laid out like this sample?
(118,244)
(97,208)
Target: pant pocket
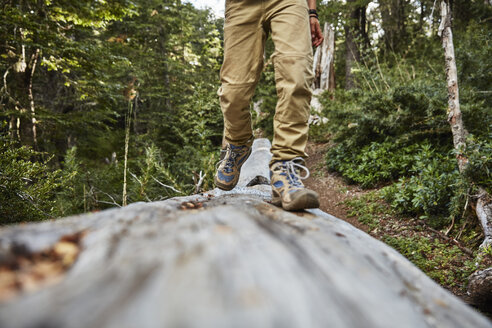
(293,77)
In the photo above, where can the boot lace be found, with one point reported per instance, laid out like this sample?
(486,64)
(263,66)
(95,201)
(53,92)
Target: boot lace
(230,158)
(291,168)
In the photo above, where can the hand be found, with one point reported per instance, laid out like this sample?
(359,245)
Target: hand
(316,34)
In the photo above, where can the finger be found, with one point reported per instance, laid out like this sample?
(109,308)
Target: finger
(316,35)
(320,37)
(319,34)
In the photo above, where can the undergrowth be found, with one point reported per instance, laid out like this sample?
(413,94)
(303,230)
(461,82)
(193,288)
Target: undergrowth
(392,132)
(446,263)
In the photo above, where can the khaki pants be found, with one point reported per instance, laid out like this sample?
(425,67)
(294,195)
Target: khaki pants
(247,25)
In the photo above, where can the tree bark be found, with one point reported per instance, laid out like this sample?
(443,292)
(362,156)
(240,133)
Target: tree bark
(479,287)
(323,63)
(454,112)
(34,62)
(484,203)
(455,118)
(363,26)
(484,213)
(393,23)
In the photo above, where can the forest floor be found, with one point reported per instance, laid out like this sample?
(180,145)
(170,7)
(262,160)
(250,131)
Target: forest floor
(445,260)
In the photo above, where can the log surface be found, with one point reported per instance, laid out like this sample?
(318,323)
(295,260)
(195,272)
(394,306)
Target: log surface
(226,260)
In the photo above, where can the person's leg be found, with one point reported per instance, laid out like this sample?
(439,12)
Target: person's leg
(289,23)
(244,39)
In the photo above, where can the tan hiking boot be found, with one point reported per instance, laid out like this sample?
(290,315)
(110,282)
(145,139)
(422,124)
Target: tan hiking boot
(287,188)
(229,168)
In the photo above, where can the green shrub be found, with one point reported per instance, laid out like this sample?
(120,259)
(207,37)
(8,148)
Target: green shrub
(429,187)
(267,93)
(27,186)
(98,186)
(479,168)
(373,163)
(413,113)
(394,129)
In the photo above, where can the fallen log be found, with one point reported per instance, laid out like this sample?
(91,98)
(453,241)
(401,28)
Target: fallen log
(480,287)
(219,259)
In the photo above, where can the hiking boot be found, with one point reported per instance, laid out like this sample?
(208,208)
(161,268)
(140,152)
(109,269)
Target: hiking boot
(229,167)
(287,188)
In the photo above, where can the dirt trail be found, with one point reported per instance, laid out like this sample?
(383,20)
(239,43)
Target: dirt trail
(333,191)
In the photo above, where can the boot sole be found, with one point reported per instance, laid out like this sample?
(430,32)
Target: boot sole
(306,199)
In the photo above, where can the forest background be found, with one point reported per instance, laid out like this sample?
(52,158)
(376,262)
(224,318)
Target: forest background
(105,103)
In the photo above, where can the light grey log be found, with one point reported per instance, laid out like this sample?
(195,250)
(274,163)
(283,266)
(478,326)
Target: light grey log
(257,163)
(236,262)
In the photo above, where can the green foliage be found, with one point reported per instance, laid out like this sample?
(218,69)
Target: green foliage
(374,163)
(393,130)
(267,93)
(151,179)
(442,262)
(368,209)
(447,264)
(95,59)
(429,187)
(412,113)
(472,54)
(479,168)
(28,186)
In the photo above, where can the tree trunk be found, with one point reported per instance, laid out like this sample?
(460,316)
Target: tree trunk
(323,63)
(352,53)
(363,26)
(484,202)
(34,62)
(455,120)
(220,259)
(454,111)
(484,213)
(479,287)
(393,23)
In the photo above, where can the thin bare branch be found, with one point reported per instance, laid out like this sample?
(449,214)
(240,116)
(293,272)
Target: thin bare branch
(198,185)
(104,202)
(141,185)
(166,186)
